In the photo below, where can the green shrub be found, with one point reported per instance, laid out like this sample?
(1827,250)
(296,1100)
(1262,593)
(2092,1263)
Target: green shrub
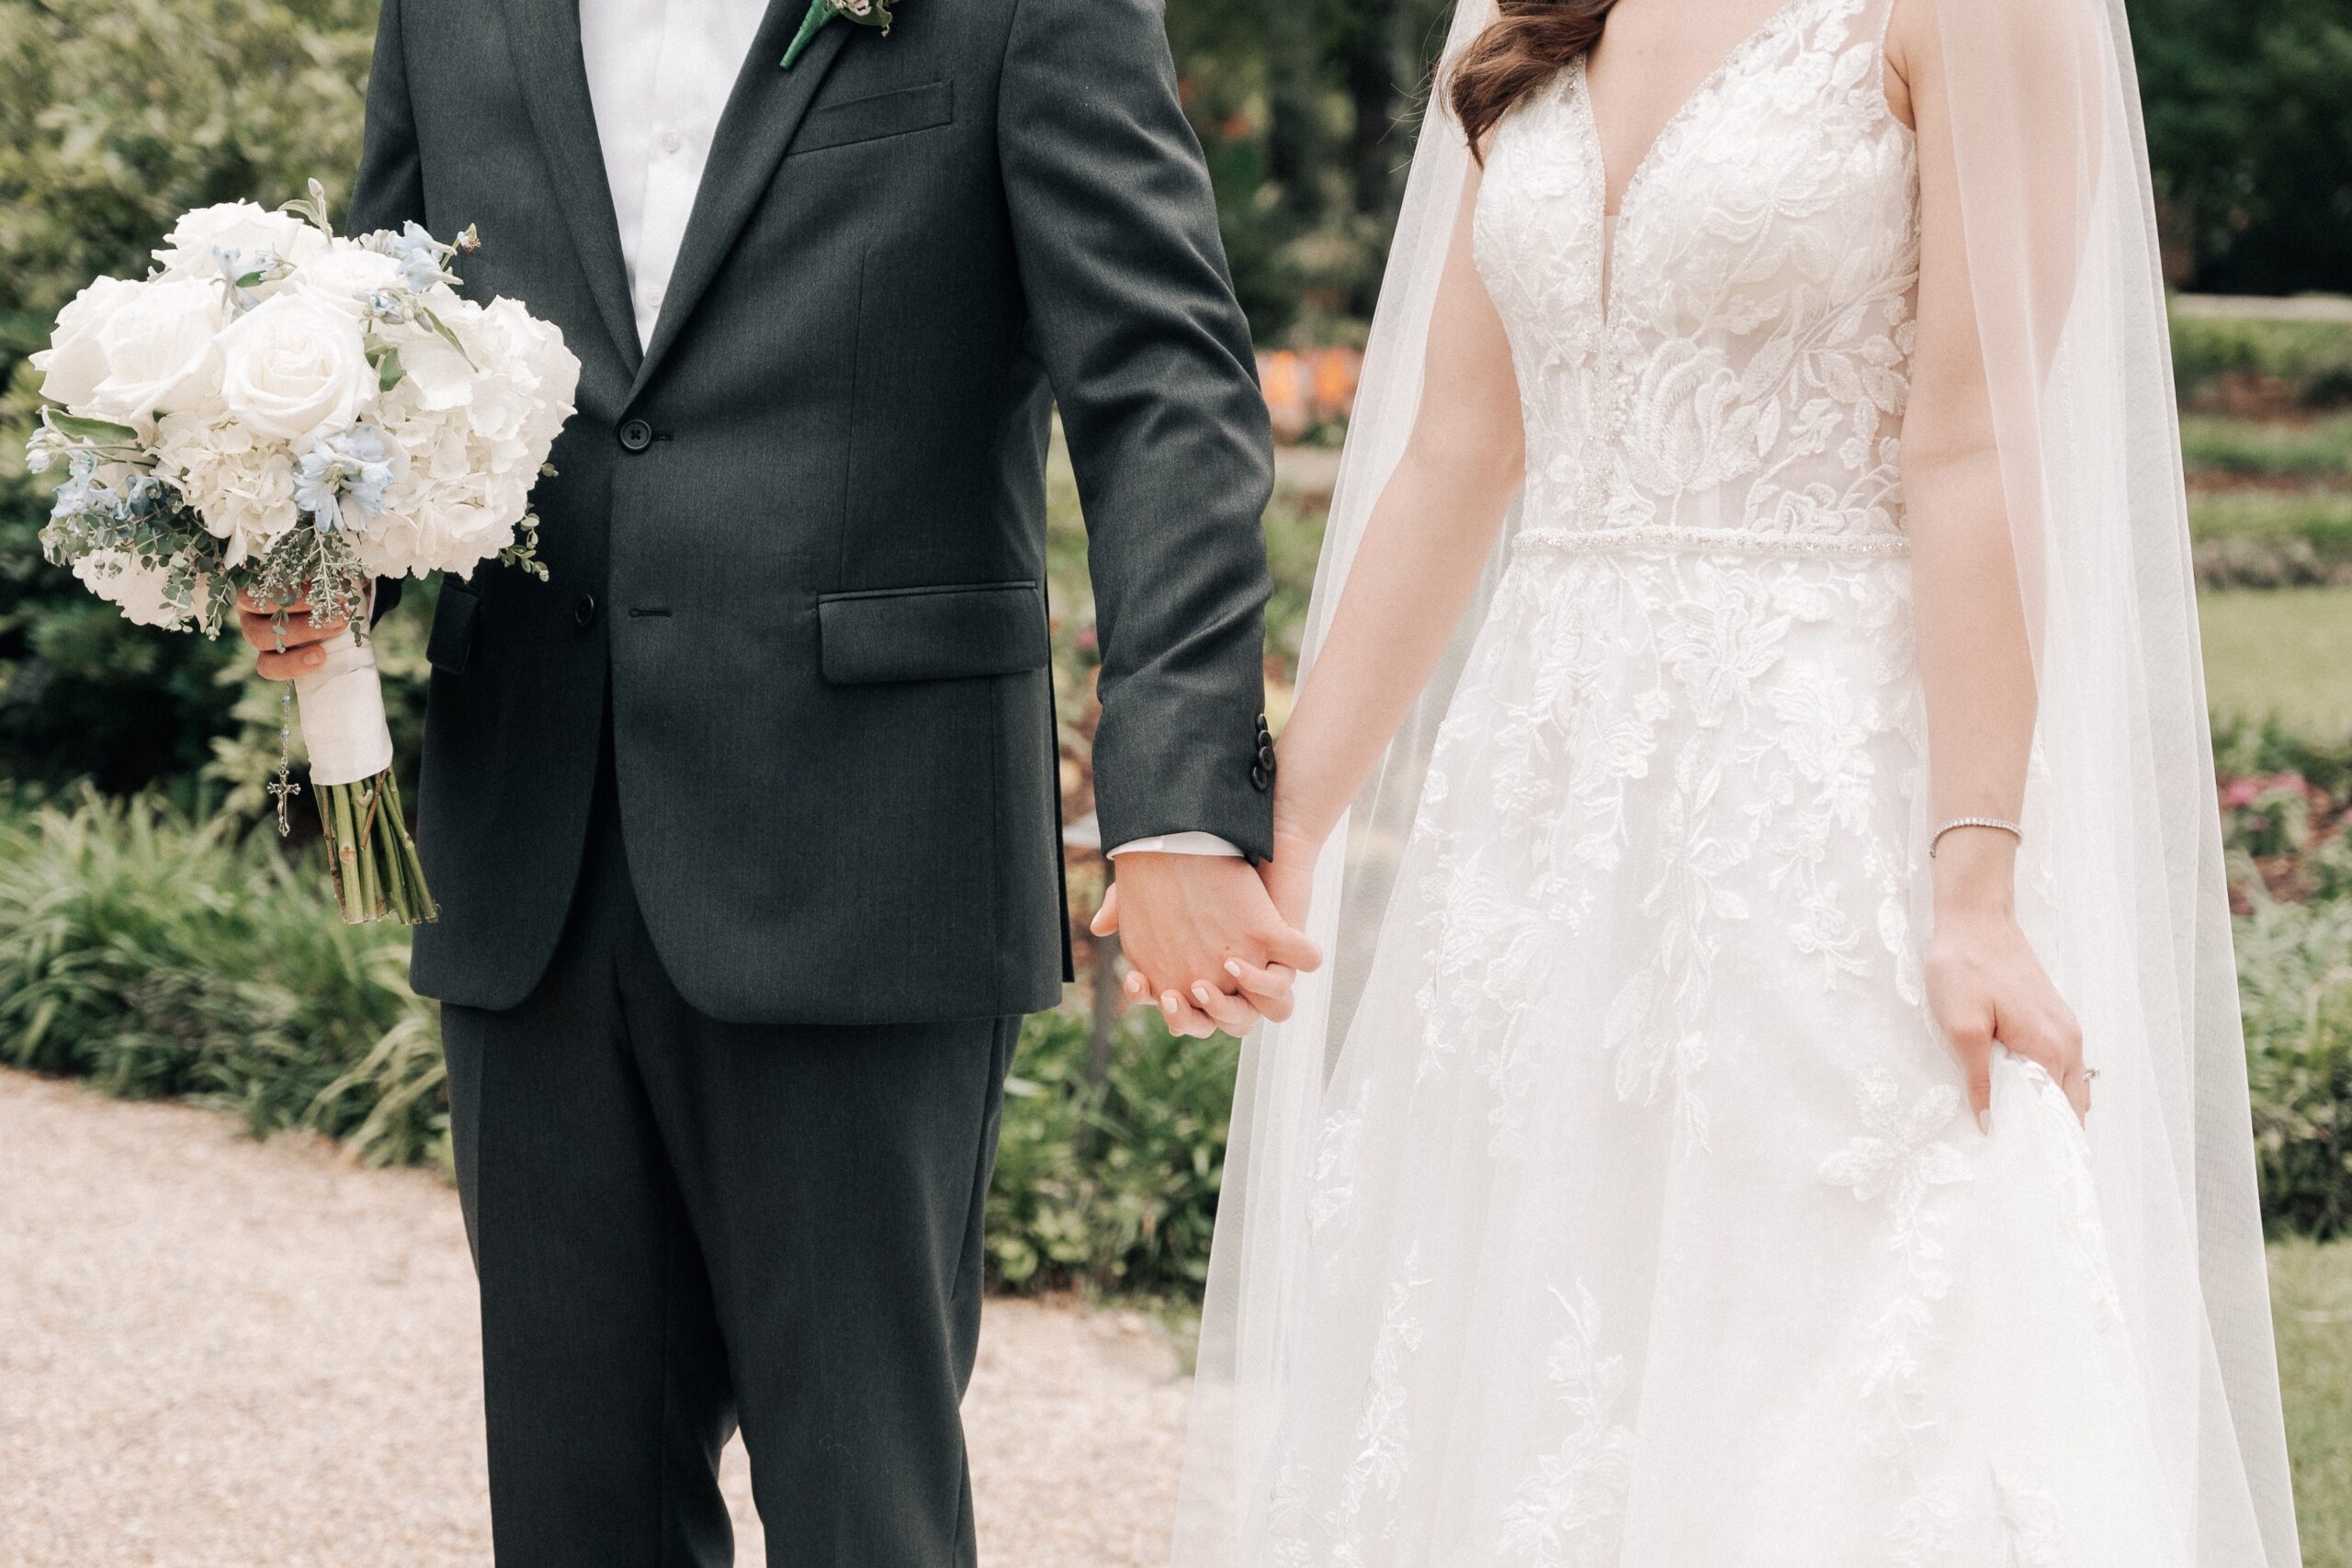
(116,115)
(2269,539)
(2319,450)
(161,957)
(157,956)
(1113,1185)
(2307,362)
(2295,981)
(2244,749)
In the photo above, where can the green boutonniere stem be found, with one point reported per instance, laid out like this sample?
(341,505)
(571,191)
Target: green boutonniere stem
(865,13)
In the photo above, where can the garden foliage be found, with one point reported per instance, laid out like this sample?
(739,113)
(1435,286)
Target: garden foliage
(158,955)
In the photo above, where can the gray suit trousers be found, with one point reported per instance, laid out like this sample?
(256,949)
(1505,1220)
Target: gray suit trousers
(682,1225)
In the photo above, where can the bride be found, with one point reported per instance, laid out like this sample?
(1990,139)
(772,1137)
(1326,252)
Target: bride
(1778,1098)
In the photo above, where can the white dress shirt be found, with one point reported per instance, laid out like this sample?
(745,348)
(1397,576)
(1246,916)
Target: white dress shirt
(658,74)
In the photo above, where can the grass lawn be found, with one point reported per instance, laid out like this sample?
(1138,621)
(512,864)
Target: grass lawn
(2312,1300)
(2283,651)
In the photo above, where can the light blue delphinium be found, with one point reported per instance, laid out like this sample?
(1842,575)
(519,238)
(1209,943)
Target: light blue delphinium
(343,477)
(263,266)
(81,491)
(420,256)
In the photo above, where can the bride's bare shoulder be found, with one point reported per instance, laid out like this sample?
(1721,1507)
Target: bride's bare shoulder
(2021,40)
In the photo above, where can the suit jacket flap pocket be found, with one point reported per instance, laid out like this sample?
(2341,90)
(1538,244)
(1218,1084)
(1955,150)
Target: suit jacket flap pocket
(884,114)
(933,634)
(452,642)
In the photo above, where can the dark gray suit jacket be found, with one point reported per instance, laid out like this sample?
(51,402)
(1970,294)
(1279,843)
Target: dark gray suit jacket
(797,542)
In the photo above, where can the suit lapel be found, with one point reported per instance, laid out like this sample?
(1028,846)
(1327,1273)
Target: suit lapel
(554,79)
(763,114)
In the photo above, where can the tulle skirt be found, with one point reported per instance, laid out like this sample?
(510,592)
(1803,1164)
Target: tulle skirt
(1651,1225)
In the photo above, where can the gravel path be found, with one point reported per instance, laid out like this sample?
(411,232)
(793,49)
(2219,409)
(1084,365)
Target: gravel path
(220,1354)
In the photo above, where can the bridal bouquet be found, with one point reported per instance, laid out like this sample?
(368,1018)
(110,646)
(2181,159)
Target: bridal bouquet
(283,413)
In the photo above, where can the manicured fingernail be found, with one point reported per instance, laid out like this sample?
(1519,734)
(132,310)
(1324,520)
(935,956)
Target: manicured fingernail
(1233,967)
(1135,985)
(1201,992)
(1171,1001)
(313,658)
(1985,1123)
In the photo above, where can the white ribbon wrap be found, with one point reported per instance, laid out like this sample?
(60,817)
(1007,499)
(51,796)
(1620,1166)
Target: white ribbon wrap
(342,715)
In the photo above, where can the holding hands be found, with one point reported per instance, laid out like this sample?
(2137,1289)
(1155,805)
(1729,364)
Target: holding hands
(1214,942)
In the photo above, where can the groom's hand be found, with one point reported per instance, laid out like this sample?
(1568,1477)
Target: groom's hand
(1181,919)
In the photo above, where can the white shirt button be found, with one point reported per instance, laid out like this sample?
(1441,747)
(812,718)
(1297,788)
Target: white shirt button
(672,142)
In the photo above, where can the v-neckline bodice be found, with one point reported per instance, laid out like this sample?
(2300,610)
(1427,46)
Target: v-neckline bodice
(1763,32)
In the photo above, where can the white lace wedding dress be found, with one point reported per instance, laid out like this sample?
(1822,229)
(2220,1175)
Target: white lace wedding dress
(1678,1245)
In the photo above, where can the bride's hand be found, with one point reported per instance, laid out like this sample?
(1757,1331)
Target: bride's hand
(1289,877)
(1987,985)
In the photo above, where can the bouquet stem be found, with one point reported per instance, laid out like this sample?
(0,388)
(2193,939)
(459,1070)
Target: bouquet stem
(377,874)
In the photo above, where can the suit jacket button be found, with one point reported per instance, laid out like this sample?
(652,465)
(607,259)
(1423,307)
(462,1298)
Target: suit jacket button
(1266,756)
(1261,778)
(584,611)
(636,436)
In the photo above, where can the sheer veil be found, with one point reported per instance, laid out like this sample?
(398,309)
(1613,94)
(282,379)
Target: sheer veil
(2122,879)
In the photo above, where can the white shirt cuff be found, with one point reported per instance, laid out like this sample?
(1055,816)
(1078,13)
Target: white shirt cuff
(1178,844)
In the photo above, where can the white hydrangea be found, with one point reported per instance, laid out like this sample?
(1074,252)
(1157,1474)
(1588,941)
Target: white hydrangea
(241,485)
(474,434)
(138,590)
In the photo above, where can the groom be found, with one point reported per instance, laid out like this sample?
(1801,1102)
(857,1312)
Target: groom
(744,824)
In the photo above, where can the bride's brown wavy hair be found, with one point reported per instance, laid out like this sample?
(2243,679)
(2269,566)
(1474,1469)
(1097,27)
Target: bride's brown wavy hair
(1523,48)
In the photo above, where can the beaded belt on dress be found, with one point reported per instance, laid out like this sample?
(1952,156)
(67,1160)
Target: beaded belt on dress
(1743,541)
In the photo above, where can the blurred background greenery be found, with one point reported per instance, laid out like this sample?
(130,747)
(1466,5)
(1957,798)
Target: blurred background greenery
(154,940)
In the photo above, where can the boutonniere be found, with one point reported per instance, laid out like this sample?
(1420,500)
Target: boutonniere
(865,13)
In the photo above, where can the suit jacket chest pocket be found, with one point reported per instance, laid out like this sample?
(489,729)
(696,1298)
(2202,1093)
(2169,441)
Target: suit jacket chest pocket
(896,113)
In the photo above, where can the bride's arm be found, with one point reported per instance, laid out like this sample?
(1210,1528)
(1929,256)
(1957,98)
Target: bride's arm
(1423,551)
(1976,667)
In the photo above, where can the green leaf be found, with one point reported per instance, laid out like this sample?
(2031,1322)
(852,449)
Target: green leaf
(100,430)
(442,327)
(388,369)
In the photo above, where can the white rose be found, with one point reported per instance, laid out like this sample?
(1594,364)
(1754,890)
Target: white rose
(239,226)
(242,488)
(348,275)
(72,364)
(137,590)
(159,347)
(294,366)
